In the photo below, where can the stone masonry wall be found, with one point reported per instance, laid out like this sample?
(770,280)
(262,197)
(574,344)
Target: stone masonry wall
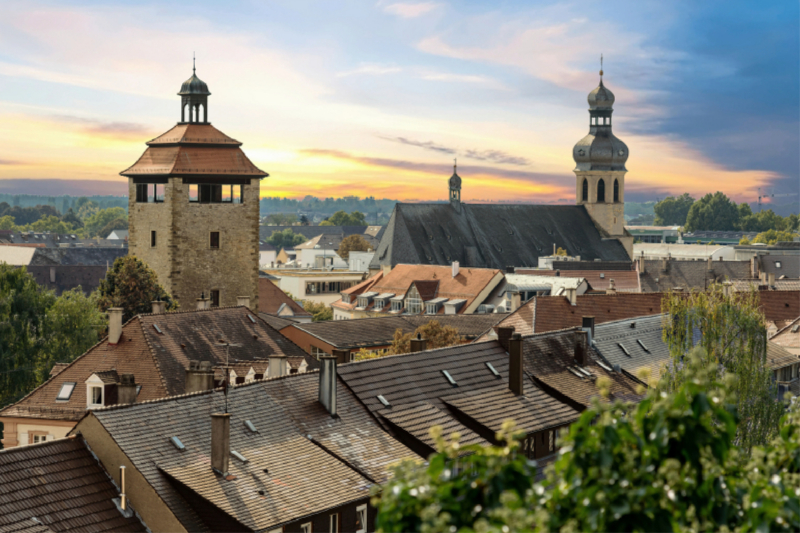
(144,218)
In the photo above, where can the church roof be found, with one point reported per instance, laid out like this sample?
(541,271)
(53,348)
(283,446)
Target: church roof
(491,236)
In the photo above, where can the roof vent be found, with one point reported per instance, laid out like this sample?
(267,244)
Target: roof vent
(384,401)
(617,368)
(239,456)
(633,325)
(155,326)
(449,378)
(253,320)
(249,425)
(492,369)
(177,443)
(645,348)
(624,349)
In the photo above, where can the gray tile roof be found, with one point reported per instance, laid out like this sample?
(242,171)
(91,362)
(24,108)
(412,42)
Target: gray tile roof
(104,256)
(68,277)
(689,274)
(641,336)
(493,236)
(789,265)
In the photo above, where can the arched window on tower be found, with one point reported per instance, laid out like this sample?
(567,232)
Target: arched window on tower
(616,191)
(601,191)
(585,193)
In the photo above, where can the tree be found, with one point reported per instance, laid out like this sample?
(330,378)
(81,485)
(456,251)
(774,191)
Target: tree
(281,219)
(731,329)
(97,221)
(713,212)
(86,208)
(116,224)
(561,252)
(673,211)
(352,243)
(72,219)
(341,218)
(774,236)
(7,222)
(320,311)
(51,224)
(303,220)
(286,239)
(642,220)
(761,221)
(133,286)
(437,335)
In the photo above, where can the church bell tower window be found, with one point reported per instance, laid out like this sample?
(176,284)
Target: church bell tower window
(601,191)
(616,191)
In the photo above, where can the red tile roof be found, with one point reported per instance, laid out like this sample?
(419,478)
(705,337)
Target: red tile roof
(271,298)
(193,134)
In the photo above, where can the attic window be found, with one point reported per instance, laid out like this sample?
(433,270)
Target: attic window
(777,264)
(177,443)
(250,426)
(449,378)
(645,348)
(66,391)
(624,349)
(492,369)
(155,326)
(239,456)
(384,401)
(795,328)
(253,320)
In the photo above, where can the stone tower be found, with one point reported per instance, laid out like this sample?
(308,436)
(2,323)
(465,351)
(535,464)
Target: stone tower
(193,208)
(600,168)
(455,190)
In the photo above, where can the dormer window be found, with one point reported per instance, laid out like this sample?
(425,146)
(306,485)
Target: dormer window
(397,305)
(95,396)
(414,301)
(95,390)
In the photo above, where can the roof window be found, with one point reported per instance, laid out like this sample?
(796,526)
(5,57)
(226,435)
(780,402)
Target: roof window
(250,426)
(576,372)
(795,328)
(777,264)
(66,391)
(624,349)
(604,366)
(155,326)
(253,320)
(602,275)
(177,443)
(449,378)
(239,456)
(645,348)
(384,401)
(492,369)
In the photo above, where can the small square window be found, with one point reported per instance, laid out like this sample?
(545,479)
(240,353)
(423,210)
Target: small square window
(152,239)
(214,241)
(38,437)
(777,264)
(193,193)
(66,391)
(214,298)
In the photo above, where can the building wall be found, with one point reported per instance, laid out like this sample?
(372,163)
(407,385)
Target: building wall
(267,259)
(608,215)
(296,285)
(183,259)
(308,256)
(16,430)
(347,519)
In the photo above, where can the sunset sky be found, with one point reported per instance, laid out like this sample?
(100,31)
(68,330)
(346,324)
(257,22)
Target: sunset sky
(346,97)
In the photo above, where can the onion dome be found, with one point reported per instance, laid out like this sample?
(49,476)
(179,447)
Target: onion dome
(600,149)
(601,98)
(455,181)
(194,85)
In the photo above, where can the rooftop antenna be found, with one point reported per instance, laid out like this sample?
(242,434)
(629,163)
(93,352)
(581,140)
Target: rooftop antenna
(193,63)
(601,66)
(227,380)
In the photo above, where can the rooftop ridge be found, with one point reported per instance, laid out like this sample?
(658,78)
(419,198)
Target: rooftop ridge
(186,311)
(633,319)
(23,447)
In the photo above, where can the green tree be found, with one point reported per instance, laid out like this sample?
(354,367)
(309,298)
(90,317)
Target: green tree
(286,239)
(436,335)
(352,243)
(7,222)
(97,221)
(133,286)
(86,208)
(713,212)
(72,219)
(320,311)
(116,224)
(341,218)
(673,211)
(761,221)
(50,223)
(281,219)
(774,236)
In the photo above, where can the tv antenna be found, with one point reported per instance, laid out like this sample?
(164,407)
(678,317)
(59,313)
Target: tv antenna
(227,379)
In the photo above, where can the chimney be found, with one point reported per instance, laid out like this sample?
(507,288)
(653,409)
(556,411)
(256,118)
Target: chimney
(588,326)
(582,347)
(572,295)
(159,307)
(203,302)
(727,288)
(753,267)
(342,356)
(123,499)
(220,442)
(515,300)
(710,264)
(419,344)
(52,274)
(277,366)
(771,279)
(126,389)
(510,269)
(243,301)
(327,383)
(665,264)
(515,375)
(612,287)
(199,377)
(455,268)
(641,263)
(504,336)
(114,324)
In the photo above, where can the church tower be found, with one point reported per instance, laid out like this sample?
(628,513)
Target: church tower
(455,190)
(193,208)
(600,168)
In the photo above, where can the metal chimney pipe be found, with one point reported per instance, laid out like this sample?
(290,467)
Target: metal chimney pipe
(515,374)
(123,499)
(327,383)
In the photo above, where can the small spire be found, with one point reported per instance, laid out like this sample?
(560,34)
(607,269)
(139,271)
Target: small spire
(455,162)
(601,67)
(194,65)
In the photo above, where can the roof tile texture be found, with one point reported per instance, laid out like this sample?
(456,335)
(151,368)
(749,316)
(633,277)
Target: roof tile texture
(600,280)
(271,298)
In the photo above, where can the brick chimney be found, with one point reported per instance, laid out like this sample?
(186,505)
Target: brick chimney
(710,264)
(771,279)
(665,264)
(588,326)
(220,442)
(455,267)
(582,347)
(114,324)
(612,287)
(243,301)
(515,300)
(159,307)
(199,377)
(126,389)
(572,295)
(515,374)
(419,344)
(277,366)
(504,336)
(327,383)
(342,356)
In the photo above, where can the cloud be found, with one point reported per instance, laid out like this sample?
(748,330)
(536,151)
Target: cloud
(10,162)
(410,10)
(105,128)
(370,69)
(427,145)
(494,156)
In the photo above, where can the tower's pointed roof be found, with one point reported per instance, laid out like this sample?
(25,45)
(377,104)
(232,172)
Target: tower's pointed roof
(455,179)
(601,97)
(194,85)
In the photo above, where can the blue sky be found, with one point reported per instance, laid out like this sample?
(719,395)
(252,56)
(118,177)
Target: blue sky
(376,98)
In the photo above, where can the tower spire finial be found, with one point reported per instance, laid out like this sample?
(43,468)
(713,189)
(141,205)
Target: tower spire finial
(455,162)
(193,63)
(601,66)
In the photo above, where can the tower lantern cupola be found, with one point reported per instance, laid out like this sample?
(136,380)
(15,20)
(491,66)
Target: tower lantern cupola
(455,189)
(194,99)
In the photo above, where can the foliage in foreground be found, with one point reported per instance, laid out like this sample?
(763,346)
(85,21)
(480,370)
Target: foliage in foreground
(666,464)
(436,334)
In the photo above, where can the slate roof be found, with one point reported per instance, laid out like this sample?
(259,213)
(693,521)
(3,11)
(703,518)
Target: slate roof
(55,240)
(58,486)
(332,241)
(789,265)
(379,331)
(314,461)
(159,361)
(593,265)
(643,340)
(491,236)
(77,256)
(87,277)
(600,280)
(757,284)
(689,274)
(271,298)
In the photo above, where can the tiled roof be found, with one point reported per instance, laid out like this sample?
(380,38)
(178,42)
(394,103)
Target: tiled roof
(271,298)
(68,277)
(193,134)
(780,265)
(332,241)
(780,285)
(379,331)
(603,266)
(222,161)
(98,256)
(778,357)
(304,460)
(276,322)
(417,419)
(490,236)
(643,341)
(690,274)
(58,486)
(788,336)
(309,232)
(624,280)
(159,361)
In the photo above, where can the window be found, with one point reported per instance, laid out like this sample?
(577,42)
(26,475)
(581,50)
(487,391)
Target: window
(218,193)
(317,352)
(361,519)
(37,436)
(149,192)
(152,239)
(214,298)
(616,191)
(141,192)
(397,305)
(305,528)
(334,521)
(66,391)
(601,191)
(193,193)
(96,396)
(414,301)
(214,240)
(158,191)
(585,192)
(777,264)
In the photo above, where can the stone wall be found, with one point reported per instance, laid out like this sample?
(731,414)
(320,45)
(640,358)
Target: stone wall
(608,215)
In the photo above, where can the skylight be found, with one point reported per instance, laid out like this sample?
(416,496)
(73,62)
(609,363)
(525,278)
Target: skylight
(250,426)
(492,369)
(155,326)
(624,349)
(66,391)
(645,348)
(449,378)
(177,443)
(253,320)
(384,401)
(239,456)
(576,372)
(604,366)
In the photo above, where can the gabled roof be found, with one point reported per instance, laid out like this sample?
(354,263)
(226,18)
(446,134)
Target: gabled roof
(788,336)
(491,236)
(643,342)
(690,274)
(271,298)
(58,486)
(304,460)
(779,357)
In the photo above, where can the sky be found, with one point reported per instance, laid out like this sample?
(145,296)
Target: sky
(377,98)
